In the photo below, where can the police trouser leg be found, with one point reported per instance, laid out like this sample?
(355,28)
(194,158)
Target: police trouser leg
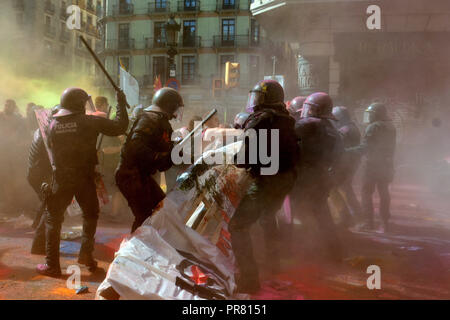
(352,201)
(86,196)
(385,200)
(38,245)
(319,206)
(245,215)
(57,205)
(368,189)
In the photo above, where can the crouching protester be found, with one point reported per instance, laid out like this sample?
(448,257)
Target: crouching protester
(147,150)
(266,193)
(72,139)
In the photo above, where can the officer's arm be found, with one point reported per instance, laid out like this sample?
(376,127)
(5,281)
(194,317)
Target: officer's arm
(366,142)
(114,127)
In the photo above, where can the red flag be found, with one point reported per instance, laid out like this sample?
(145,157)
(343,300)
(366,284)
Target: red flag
(157,84)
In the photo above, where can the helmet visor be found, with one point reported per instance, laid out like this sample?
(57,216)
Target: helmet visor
(254,98)
(306,111)
(89,106)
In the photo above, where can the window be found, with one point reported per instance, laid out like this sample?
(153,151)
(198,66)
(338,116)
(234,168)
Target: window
(224,59)
(190,5)
(228,4)
(125,7)
(228,29)
(188,64)
(159,68)
(189,29)
(124,36)
(254,32)
(160,34)
(160,5)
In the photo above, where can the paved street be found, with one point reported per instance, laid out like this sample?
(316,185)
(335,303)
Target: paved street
(414,259)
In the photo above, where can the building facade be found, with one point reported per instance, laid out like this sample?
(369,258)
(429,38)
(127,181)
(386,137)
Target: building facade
(212,33)
(403,61)
(40,30)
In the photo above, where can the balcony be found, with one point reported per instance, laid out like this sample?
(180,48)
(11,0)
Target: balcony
(50,31)
(121,44)
(19,5)
(188,6)
(240,41)
(123,10)
(64,36)
(158,7)
(189,42)
(49,7)
(227,6)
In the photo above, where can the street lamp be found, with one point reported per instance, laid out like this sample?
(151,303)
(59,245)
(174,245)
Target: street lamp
(172,28)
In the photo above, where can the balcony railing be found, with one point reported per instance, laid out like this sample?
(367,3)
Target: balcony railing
(237,41)
(224,5)
(64,36)
(50,31)
(188,6)
(19,4)
(152,43)
(189,42)
(121,44)
(156,7)
(49,7)
(126,9)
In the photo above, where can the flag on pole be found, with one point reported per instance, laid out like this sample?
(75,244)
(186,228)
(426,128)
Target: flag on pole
(129,85)
(157,84)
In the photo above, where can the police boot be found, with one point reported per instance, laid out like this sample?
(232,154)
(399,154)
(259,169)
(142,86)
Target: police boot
(49,271)
(52,267)
(87,245)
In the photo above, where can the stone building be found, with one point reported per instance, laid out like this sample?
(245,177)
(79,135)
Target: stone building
(403,61)
(40,30)
(211,33)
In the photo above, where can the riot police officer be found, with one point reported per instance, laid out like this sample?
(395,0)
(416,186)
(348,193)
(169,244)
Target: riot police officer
(295,107)
(72,138)
(39,172)
(267,192)
(378,148)
(147,150)
(321,149)
(349,163)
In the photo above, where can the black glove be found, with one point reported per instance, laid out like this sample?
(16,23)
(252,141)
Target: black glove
(121,98)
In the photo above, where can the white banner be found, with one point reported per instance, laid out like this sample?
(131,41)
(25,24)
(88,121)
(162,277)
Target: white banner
(130,87)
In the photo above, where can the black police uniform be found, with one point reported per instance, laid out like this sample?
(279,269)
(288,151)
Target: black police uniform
(264,196)
(378,146)
(39,171)
(349,165)
(321,149)
(147,150)
(72,141)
